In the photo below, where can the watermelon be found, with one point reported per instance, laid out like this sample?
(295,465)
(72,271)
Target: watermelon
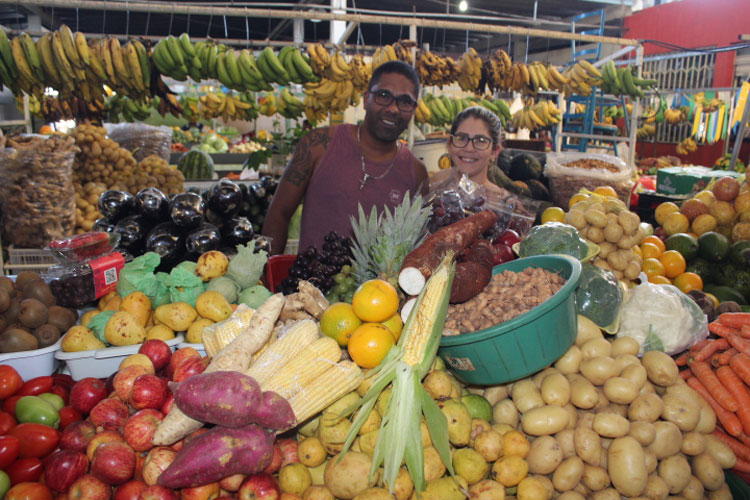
(196,165)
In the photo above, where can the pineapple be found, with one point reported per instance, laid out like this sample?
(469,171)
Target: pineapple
(381,242)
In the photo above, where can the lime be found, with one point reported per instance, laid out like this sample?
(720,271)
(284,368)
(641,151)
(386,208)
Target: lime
(713,246)
(478,406)
(736,254)
(684,243)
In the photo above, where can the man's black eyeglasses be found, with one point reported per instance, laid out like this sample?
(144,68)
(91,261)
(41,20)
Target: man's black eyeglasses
(403,102)
(480,142)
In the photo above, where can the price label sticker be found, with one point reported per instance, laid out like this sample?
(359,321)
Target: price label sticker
(106,272)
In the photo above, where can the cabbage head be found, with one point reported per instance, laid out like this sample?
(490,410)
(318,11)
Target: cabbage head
(553,237)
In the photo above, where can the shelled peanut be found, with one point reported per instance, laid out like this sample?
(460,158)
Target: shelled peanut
(87,211)
(154,171)
(607,222)
(101,159)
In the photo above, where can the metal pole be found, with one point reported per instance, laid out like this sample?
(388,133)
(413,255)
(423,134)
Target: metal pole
(740,136)
(413,37)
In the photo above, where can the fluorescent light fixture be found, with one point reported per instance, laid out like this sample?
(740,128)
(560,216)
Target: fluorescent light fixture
(463,5)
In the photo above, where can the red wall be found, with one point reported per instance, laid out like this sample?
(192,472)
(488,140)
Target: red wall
(692,24)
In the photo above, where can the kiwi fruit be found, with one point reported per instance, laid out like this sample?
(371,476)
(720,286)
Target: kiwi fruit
(47,335)
(32,313)
(11,314)
(40,291)
(17,340)
(4,300)
(7,284)
(62,317)
(24,277)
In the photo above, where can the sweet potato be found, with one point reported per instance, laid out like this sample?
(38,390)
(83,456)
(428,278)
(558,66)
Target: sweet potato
(273,412)
(480,252)
(224,398)
(469,280)
(219,453)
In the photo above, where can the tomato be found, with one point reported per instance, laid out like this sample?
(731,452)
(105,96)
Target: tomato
(10,404)
(10,381)
(29,491)
(508,237)
(37,440)
(36,386)
(37,410)
(68,415)
(25,469)
(60,391)
(4,483)
(7,422)
(9,447)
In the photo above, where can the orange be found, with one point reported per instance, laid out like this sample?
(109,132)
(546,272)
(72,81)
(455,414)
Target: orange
(659,280)
(656,241)
(369,344)
(688,281)
(653,267)
(606,191)
(395,325)
(650,251)
(375,301)
(553,214)
(339,322)
(674,263)
(664,210)
(576,198)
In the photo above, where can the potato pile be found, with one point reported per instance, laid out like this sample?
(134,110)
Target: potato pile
(608,223)
(87,210)
(101,159)
(154,171)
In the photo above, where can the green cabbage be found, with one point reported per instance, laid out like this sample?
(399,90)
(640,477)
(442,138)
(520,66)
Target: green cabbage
(184,286)
(254,296)
(599,296)
(246,267)
(553,237)
(225,286)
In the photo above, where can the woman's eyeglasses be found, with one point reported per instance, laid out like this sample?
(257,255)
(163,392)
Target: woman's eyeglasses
(480,142)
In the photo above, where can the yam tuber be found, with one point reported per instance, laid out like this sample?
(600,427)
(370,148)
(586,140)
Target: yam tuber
(469,280)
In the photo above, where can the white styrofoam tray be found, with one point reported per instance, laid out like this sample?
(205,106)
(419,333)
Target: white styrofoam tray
(36,363)
(102,363)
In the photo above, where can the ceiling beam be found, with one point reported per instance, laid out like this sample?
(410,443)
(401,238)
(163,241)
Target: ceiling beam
(284,24)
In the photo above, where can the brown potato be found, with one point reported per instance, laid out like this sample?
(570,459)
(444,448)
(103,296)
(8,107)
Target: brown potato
(675,471)
(643,432)
(568,474)
(719,450)
(707,469)
(545,455)
(587,445)
(626,466)
(595,478)
(661,368)
(682,412)
(668,440)
(646,407)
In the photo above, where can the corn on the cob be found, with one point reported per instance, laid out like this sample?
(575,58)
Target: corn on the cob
(300,335)
(303,371)
(337,381)
(220,335)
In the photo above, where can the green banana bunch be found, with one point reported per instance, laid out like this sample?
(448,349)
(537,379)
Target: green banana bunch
(125,109)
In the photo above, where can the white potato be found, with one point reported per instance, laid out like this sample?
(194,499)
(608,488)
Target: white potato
(719,450)
(568,474)
(675,471)
(626,466)
(620,390)
(587,444)
(668,440)
(636,373)
(646,407)
(595,478)
(505,412)
(643,432)
(570,361)
(694,443)
(565,440)
(661,368)
(682,412)
(526,396)
(544,455)
(582,393)
(598,370)
(549,419)
(555,389)
(596,347)
(707,469)
(610,425)
(624,345)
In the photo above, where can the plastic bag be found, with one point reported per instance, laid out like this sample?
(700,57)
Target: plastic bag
(551,238)
(599,297)
(662,318)
(570,171)
(98,323)
(138,276)
(142,140)
(184,286)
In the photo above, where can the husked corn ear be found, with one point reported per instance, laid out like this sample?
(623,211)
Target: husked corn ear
(303,370)
(334,383)
(300,335)
(219,335)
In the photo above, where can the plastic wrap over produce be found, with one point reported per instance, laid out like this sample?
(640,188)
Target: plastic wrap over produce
(661,318)
(599,297)
(569,172)
(219,335)
(142,140)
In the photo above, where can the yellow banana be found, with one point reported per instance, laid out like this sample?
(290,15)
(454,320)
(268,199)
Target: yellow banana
(82,47)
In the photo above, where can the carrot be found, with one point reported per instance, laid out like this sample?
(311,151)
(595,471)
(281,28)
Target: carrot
(741,450)
(707,351)
(728,419)
(682,359)
(742,345)
(742,466)
(723,358)
(707,377)
(745,332)
(700,345)
(686,374)
(734,319)
(737,389)
(722,330)
(740,363)
(744,438)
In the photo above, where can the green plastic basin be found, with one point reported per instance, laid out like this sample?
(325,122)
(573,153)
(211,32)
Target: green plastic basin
(525,344)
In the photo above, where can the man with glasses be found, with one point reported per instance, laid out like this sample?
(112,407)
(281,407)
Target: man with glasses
(336,168)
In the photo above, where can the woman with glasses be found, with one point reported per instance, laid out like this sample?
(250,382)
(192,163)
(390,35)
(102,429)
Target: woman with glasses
(475,143)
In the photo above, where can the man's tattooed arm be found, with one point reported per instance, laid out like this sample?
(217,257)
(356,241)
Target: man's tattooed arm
(300,168)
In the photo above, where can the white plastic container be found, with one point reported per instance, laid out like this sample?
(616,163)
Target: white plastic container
(198,347)
(36,363)
(102,363)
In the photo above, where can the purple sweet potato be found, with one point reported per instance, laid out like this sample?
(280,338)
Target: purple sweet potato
(223,397)
(218,453)
(273,412)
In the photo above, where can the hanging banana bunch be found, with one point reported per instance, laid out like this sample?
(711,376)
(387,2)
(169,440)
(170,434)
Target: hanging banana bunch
(435,69)
(470,68)
(383,55)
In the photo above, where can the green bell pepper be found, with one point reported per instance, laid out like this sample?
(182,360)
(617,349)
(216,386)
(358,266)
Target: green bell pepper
(4,483)
(53,399)
(36,410)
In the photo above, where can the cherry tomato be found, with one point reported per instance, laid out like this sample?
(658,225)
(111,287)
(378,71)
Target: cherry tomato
(10,381)
(36,386)
(60,391)
(29,491)
(7,422)
(10,404)
(25,470)
(9,447)
(68,415)
(37,440)
(508,237)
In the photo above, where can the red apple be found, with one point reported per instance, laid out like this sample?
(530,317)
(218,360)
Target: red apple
(288,451)
(68,415)
(149,391)
(63,468)
(87,393)
(140,459)
(140,427)
(130,490)
(508,237)
(204,492)
(232,483)
(178,357)
(101,438)
(156,492)
(114,463)
(260,486)
(158,351)
(157,460)
(501,253)
(90,487)
(124,379)
(77,435)
(168,403)
(110,413)
(190,366)
(275,464)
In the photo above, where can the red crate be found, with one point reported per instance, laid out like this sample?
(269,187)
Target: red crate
(277,268)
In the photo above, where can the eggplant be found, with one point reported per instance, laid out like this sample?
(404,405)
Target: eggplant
(116,204)
(258,190)
(262,243)
(203,239)
(104,224)
(133,230)
(237,231)
(213,218)
(152,204)
(225,198)
(186,210)
(168,241)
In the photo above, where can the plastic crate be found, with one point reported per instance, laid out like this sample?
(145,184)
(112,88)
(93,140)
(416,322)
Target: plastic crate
(27,259)
(277,268)
(36,363)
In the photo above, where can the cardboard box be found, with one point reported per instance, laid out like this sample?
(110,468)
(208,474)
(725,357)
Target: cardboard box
(682,180)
